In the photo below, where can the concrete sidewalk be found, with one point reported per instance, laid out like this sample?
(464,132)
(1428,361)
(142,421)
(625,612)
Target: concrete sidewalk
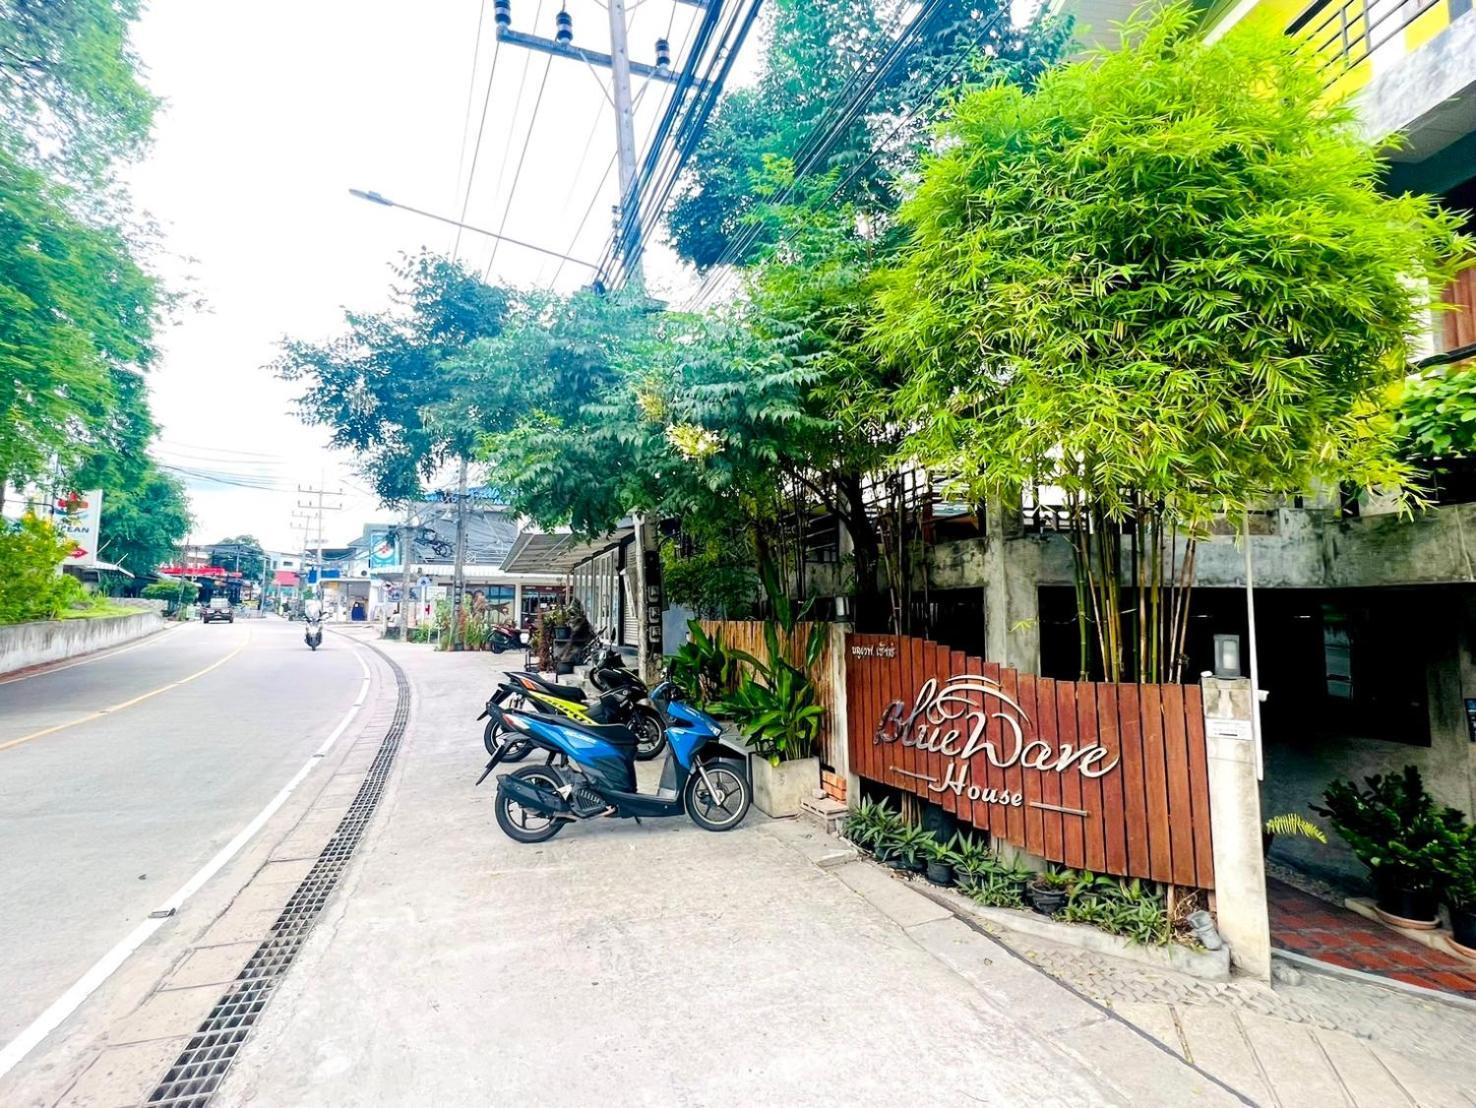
(624,964)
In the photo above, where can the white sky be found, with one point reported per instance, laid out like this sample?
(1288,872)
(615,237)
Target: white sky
(273,111)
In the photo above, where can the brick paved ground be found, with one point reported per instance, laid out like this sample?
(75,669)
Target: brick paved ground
(1305,925)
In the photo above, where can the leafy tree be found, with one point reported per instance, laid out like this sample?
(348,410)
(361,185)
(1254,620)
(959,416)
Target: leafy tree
(372,386)
(70,96)
(146,512)
(550,396)
(815,47)
(242,552)
(76,325)
(1164,282)
(1437,414)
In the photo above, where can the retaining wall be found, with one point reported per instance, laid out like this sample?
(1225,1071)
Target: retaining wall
(31,644)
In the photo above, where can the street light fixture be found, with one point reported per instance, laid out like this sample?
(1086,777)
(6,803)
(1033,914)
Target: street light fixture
(384,201)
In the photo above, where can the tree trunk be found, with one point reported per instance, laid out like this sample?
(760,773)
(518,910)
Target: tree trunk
(869,612)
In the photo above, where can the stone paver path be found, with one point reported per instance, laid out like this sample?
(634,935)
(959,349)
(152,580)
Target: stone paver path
(1306,925)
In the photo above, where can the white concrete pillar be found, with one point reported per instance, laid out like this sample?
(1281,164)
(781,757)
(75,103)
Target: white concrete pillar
(840,729)
(1235,823)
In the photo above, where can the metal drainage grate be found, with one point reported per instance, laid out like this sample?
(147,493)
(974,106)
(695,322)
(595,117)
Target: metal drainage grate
(198,1071)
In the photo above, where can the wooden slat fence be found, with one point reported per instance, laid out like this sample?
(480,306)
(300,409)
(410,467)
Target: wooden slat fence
(748,636)
(1111,778)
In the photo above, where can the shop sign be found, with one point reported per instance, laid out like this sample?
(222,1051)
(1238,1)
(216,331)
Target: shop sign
(1106,777)
(953,719)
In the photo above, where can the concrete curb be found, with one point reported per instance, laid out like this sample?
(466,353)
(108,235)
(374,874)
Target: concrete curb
(1312,965)
(1206,965)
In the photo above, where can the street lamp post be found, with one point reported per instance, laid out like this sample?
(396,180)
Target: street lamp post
(384,201)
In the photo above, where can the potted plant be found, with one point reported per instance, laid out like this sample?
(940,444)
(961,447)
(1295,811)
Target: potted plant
(972,860)
(884,836)
(940,861)
(1050,890)
(775,707)
(1395,829)
(864,824)
(912,845)
(1458,869)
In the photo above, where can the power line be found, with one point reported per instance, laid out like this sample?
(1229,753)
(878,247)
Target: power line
(471,92)
(471,175)
(518,173)
(512,123)
(827,131)
(988,30)
(685,132)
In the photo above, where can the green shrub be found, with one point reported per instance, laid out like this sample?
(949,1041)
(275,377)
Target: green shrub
(1395,829)
(31,584)
(703,668)
(1118,906)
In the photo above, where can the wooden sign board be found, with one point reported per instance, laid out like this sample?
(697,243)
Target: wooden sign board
(1110,778)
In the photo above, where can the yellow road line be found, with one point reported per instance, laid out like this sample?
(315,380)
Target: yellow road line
(127,703)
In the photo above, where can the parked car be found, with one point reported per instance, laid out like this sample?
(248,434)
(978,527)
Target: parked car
(218,609)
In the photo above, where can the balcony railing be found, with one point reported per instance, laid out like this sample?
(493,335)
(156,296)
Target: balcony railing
(1342,35)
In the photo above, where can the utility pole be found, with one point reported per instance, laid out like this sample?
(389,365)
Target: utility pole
(621,67)
(318,509)
(407,550)
(458,571)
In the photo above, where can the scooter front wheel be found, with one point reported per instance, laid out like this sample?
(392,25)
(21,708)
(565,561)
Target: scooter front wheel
(520,824)
(493,740)
(721,805)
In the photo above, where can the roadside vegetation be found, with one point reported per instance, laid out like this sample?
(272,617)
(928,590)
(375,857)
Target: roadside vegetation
(1162,279)
(81,310)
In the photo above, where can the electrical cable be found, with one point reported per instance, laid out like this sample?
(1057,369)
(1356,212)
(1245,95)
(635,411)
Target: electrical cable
(517,173)
(685,82)
(471,93)
(477,148)
(828,131)
(719,277)
(512,120)
(687,134)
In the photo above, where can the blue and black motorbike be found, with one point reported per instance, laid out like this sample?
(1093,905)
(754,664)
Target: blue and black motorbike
(590,772)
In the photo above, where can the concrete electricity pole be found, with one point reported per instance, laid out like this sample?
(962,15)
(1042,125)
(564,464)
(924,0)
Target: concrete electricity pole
(621,67)
(320,507)
(458,570)
(407,556)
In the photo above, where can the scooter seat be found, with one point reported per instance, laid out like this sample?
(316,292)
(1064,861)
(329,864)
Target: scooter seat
(616,734)
(561,692)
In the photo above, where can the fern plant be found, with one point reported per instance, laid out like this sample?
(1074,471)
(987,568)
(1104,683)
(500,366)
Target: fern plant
(1293,825)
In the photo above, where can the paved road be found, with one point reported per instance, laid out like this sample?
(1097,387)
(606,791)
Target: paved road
(106,817)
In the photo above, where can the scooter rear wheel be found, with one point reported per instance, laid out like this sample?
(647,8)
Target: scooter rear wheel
(492,739)
(517,822)
(650,734)
(706,810)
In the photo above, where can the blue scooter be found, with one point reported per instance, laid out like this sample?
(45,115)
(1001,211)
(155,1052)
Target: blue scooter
(590,772)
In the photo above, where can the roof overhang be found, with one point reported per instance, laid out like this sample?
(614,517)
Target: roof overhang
(558,552)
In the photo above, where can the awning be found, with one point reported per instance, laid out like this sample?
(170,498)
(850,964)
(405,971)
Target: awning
(286,578)
(557,552)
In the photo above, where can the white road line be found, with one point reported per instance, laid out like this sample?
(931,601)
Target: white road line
(49,1020)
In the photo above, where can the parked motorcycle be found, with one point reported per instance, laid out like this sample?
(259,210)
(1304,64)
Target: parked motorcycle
(705,776)
(623,704)
(504,636)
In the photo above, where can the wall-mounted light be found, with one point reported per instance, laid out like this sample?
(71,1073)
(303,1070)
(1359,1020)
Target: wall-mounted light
(1227,656)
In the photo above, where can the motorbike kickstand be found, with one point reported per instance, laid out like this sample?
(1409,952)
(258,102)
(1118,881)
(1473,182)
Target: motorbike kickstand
(486,771)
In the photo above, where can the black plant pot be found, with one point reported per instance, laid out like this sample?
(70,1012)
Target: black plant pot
(1414,905)
(899,862)
(1046,901)
(918,865)
(1463,926)
(940,873)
